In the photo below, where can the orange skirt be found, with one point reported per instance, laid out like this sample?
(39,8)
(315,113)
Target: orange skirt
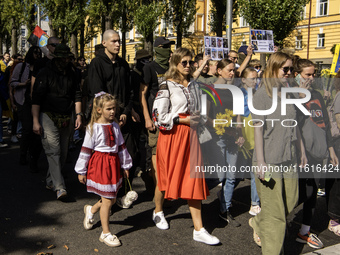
(178,154)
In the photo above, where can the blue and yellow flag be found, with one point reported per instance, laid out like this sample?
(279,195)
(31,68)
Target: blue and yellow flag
(336,60)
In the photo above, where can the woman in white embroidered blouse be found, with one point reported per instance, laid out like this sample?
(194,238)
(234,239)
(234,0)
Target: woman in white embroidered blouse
(175,112)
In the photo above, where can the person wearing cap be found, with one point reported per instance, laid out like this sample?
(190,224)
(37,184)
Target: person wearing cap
(153,75)
(52,43)
(56,110)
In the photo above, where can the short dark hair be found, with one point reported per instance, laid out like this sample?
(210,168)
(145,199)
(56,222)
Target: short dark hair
(199,57)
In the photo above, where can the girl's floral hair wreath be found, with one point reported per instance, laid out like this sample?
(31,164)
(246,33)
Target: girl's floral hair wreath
(101,93)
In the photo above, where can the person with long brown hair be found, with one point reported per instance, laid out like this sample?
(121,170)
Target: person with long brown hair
(275,147)
(175,113)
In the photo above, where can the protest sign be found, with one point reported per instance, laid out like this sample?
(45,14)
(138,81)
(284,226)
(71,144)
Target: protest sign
(262,40)
(216,47)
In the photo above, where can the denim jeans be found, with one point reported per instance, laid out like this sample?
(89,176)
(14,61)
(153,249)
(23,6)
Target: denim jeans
(55,142)
(229,150)
(242,161)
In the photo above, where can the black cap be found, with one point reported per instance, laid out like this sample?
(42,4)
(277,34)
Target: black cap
(162,41)
(142,54)
(243,49)
(62,51)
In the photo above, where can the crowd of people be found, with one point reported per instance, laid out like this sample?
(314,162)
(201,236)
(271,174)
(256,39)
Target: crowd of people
(149,117)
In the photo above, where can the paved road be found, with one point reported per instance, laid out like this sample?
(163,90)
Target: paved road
(31,219)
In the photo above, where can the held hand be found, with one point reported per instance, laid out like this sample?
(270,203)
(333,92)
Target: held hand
(206,58)
(122,120)
(37,129)
(78,123)
(126,173)
(135,116)
(149,125)
(261,169)
(82,178)
(240,141)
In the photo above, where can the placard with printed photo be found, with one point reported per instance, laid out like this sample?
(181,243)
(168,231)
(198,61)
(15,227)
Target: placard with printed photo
(213,42)
(262,40)
(207,41)
(214,55)
(207,52)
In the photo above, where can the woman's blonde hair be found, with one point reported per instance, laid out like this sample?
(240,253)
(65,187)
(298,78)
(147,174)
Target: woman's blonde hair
(99,102)
(247,71)
(275,62)
(176,58)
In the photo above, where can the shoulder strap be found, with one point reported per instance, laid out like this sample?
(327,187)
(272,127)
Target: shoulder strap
(337,94)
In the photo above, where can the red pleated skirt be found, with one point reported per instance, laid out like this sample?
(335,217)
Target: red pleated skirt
(178,154)
(103,176)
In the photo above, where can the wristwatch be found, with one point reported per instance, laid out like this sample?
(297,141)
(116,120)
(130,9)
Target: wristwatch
(80,114)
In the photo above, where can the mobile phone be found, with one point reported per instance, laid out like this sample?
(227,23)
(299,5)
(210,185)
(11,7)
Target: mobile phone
(298,78)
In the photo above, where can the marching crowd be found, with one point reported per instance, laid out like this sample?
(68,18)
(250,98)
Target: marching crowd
(149,117)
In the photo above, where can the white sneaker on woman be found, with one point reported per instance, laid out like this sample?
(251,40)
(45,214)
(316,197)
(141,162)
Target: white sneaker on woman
(204,237)
(160,220)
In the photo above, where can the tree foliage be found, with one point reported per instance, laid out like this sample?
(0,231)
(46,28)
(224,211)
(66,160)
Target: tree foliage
(146,20)
(217,15)
(184,12)
(281,16)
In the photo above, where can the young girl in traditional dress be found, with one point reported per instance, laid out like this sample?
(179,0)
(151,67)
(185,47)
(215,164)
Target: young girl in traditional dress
(101,159)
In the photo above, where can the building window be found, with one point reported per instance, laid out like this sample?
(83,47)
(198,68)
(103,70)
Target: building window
(199,24)
(23,32)
(95,41)
(243,22)
(323,8)
(298,42)
(303,13)
(321,40)
(23,43)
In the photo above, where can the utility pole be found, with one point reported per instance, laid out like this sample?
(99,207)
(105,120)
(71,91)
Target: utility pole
(229,21)
(38,16)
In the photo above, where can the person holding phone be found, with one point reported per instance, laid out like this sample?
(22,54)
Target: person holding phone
(276,147)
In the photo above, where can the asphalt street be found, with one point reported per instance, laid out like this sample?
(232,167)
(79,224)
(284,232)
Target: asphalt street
(31,219)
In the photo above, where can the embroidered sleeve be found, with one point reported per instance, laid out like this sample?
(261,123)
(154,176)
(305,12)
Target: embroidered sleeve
(123,154)
(161,111)
(85,154)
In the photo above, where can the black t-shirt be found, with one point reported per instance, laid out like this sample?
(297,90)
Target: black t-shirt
(40,64)
(153,75)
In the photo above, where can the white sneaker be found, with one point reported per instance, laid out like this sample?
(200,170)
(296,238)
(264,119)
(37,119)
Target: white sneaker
(109,239)
(254,210)
(14,139)
(160,220)
(204,237)
(88,219)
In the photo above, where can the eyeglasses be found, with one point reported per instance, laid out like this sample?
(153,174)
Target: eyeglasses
(287,68)
(20,59)
(233,58)
(54,44)
(257,67)
(186,62)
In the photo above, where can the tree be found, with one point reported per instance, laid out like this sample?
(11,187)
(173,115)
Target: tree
(146,20)
(182,12)
(12,16)
(217,12)
(281,16)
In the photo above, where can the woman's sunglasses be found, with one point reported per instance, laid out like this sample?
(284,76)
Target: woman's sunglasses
(257,67)
(185,63)
(287,68)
